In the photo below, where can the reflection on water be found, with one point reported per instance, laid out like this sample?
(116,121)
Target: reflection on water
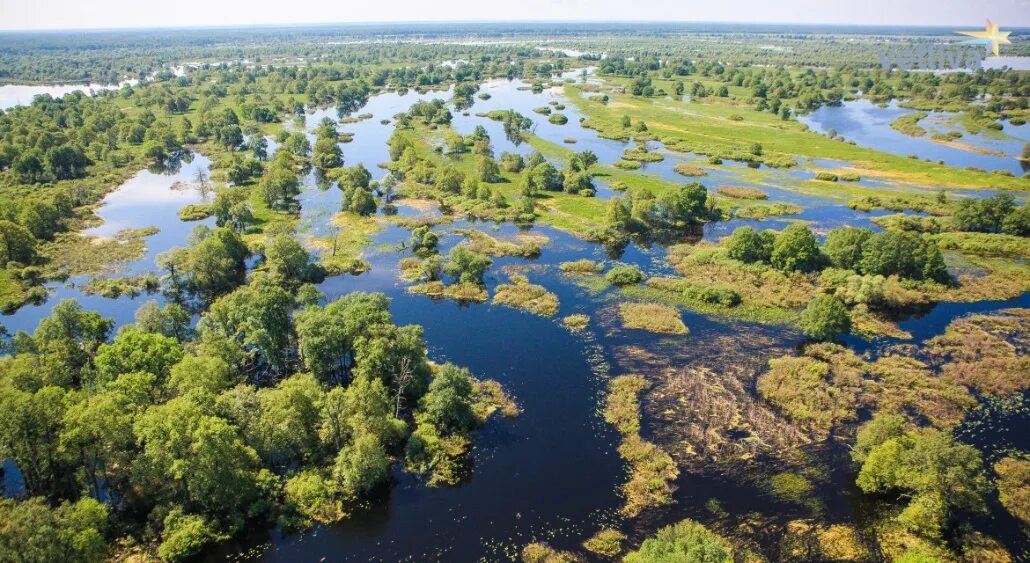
(148,199)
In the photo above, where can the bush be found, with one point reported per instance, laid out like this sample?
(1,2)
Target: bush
(748,245)
(558,119)
(710,294)
(796,249)
(826,176)
(686,541)
(624,275)
(824,318)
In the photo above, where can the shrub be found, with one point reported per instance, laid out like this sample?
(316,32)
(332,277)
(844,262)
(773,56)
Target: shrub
(824,318)
(826,176)
(712,294)
(624,275)
(558,119)
(685,541)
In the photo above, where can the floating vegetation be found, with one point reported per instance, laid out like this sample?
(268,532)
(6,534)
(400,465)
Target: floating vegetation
(520,294)
(627,164)
(817,390)
(113,288)
(525,245)
(740,192)
(607,542)
(826,176)
(558,119)
(641,154)
(194,212)
(809,541)
(652,317)
(763,211)
(576,322)
(457,291)
(581,266)
(986,352)
(71,254)
(542,553)
(685,169)
(651,468)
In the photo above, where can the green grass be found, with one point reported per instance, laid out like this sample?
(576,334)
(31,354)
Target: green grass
(909,124)
(707,128)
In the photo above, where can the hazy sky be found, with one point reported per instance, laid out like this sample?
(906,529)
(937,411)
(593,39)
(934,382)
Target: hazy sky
(65,14)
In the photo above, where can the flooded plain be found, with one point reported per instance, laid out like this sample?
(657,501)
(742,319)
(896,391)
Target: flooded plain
(552,473)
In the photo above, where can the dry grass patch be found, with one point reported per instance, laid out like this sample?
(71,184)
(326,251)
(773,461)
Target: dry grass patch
(607,542)
(818,390)
(582,266)
(576,322)
(689,170)
(652,470)
(521,294)
(741,192)
(526,245)
(986,352)
(457,291)
(652,317)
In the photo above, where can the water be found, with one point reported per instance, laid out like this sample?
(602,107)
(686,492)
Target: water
(22,94)
(148,199)
(868,125)
(553,472)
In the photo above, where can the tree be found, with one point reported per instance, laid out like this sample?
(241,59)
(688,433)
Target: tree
(327,154)
(197,456)
(467,265)
(134,350)
(171,320)
(287,260)
(326,336)
(33,531)
(1017,222)
(795,249)
(258,318)
(905,254)
(207,373)
(617,216)
(361,465)
(687,541)
(30,424)
(824,318)
(545,176)
(487,169)
(423,240)
(447,406)
(843,246)
(16,244)
(938,474)
(748,245)
(985,215)
(97,433)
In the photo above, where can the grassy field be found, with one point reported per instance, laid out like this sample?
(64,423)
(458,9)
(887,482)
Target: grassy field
(708,128)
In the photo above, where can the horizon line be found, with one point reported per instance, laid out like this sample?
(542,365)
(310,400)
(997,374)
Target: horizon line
(368,23)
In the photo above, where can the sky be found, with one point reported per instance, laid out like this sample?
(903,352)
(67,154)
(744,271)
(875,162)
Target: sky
(93,14)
